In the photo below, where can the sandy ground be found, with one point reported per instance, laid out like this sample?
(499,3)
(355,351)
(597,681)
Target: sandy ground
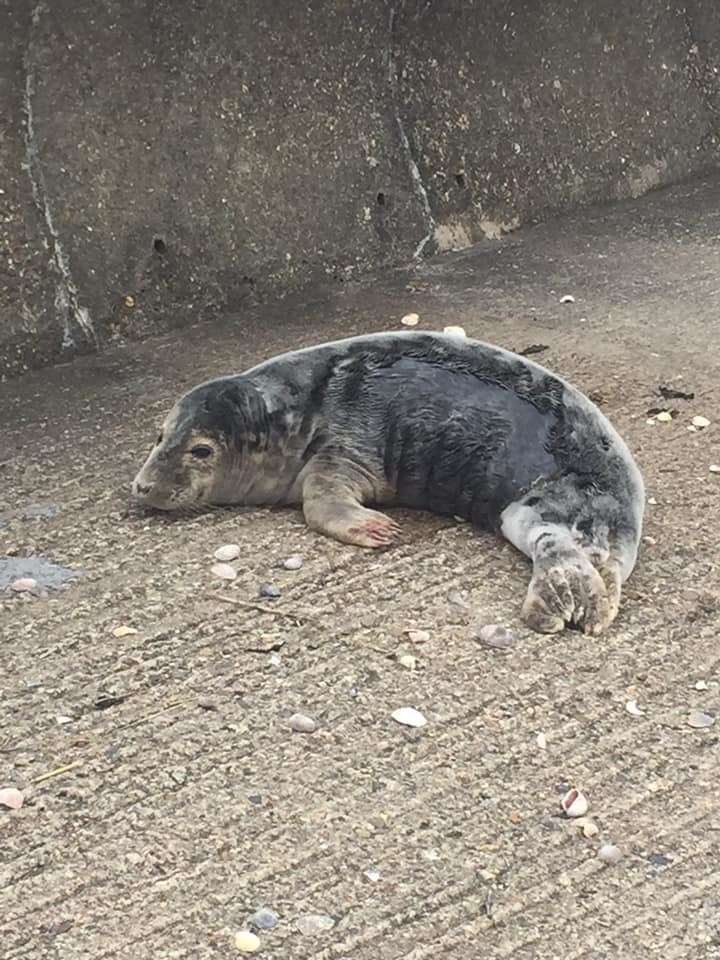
(187,802)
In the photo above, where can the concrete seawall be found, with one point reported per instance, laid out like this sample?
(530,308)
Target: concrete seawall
(164,162)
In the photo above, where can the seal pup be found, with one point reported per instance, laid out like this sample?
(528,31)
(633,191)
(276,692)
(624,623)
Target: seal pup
(426,420)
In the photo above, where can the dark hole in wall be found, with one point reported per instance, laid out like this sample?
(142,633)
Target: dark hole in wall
(460,180)
(159,245)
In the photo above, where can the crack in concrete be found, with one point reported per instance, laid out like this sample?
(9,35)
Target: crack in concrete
(416,179)
(67,301)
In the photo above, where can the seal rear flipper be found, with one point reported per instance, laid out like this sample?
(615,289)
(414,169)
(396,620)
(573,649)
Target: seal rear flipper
(583,544)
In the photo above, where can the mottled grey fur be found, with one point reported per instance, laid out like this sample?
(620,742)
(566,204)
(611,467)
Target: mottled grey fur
(421,420)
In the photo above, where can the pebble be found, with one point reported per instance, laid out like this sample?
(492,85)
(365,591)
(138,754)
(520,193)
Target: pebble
(408,661)
(373,875)
(568,298)
(494,635)
(302,723)
(269,591)
(313,923)
(700,720)
(575,804)
(11,797)
(418,636)
(23,585)
(224,571)
(230,551)
(632,707)
(264,919)
(701,685)
(664,416)
(454,331)
(294,562)
(700,422)
(409,717)
(410,320)
(247,942)
(609,853)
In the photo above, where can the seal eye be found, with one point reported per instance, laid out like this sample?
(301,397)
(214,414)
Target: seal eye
(202,452)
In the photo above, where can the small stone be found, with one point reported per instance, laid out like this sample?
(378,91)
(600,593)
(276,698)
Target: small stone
(410,320)
(313,923)
(609,853)
(652,501)
(228,552)
(247,942)
(632,707)
(409,717)
(23,585)
(418,636)
(12,797)
(223,571)
(575,804)
(541,741)
(700,422)
(701,685)
(264,919)
(700,720)
(664,416)
(408,661)
(302,723)
(129,301)
(294,562)
(494,635)
(373,875)
(568,298)
(124,631)
(269,591)
(454,331)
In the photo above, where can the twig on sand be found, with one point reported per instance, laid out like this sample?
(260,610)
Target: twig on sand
(259,606)
(58,771)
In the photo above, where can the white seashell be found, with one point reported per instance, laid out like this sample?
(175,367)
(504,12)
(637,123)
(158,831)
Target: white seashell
(247,942)
(575,804)
(701,685)
(224,571)
(11,797)
(700,422)
(293,563)
(700,720)
(301,723)
(231,551)
(568,298)
(714,468)
(410,320)
(541,741)
(408,661)
(409,717)
(609,853)
(588,827)
(23,585)
(454,331)
(632,707)
(664,416)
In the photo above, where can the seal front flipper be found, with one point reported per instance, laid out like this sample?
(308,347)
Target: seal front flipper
(333,492)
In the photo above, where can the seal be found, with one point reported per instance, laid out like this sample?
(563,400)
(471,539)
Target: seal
(423,420)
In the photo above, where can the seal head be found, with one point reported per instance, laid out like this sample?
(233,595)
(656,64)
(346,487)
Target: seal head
(204,447)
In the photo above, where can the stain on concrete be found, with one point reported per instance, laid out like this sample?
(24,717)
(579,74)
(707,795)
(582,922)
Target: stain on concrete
(47,574)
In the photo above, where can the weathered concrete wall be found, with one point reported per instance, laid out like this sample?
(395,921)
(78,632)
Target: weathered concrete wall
(167,160)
